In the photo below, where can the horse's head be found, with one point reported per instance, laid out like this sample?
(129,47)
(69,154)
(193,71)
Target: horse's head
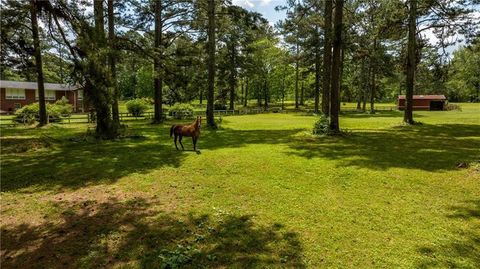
(199,121)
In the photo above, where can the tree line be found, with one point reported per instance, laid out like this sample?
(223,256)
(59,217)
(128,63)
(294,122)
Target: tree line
(326,51)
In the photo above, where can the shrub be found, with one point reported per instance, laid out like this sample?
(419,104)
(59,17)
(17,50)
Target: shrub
(30,113)
(219,106)
(27,114)
(62,106)
(453,107)
(322,126)
(181,111)
(137,106)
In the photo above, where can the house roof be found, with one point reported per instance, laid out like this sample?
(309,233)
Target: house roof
(34,86)
(425,97)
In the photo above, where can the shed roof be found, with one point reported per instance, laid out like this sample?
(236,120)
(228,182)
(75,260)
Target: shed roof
(34,86)
(425,97)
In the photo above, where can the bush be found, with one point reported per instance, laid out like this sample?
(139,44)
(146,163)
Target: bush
(137,106)
(181,111)
(453,107)
(62,107)
(219,106)
(322,126)
(30,113)
(27,114)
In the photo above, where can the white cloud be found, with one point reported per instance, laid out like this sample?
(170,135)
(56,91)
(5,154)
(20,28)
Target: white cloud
(265,2)
(244,3)
(251,3)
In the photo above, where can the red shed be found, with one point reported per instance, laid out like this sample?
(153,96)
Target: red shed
(424,102)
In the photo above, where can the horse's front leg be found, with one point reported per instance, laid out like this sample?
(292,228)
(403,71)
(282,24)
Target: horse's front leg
(180,140)
(175,139)
(194,139)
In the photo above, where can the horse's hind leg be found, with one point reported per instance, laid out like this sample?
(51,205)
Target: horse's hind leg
(180,140)
(175,139)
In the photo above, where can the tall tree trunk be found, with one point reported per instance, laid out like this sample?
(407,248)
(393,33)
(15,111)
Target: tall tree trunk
(327,58)
(342,60)
(232,77)
(242,86)
(302,93)
(283,89)
(157,65)
(259,99)
(113,71)
(211,63)
(317,79)
(265,94)
(373,69)
(245,99)
(201,96)
(336,62)
(364,101)
(478,93)
(296,74)
(97,85)
(38,63)
(411,62)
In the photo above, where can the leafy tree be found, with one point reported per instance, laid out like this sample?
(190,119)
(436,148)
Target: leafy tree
(463,77)
(445,18)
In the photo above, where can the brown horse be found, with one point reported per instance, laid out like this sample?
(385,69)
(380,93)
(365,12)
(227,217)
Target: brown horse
(191,130)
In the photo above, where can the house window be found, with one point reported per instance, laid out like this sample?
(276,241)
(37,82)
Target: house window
(80,94)
(49,95)
(15,94)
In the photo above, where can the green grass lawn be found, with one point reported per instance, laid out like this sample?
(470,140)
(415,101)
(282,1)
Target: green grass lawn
(262,192)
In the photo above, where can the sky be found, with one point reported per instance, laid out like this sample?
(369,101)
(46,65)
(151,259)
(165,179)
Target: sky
(267,9)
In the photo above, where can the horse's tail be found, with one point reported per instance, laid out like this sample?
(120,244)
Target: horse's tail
(171,130)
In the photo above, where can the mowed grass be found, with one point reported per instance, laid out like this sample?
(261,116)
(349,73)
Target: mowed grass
(262,192)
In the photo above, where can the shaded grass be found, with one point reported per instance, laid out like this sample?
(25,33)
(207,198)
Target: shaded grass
(263,193)
(114,232)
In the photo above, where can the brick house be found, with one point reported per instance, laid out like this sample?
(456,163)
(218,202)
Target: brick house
(16,94)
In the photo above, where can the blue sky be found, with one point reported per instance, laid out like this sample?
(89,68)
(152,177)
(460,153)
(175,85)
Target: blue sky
(265,7)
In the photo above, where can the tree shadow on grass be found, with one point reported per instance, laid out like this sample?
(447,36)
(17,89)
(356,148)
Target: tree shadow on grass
(425,147)
(113,233)
(378,114)
(62,163)
(70,164)
(464,250)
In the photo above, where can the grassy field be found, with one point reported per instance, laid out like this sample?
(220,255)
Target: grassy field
(261,192)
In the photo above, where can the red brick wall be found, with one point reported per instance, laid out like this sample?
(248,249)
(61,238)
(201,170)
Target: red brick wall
(9,105)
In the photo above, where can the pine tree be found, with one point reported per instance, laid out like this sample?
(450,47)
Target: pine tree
(38,63)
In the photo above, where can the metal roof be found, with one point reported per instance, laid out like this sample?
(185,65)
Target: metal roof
(426,97)
(34,86)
